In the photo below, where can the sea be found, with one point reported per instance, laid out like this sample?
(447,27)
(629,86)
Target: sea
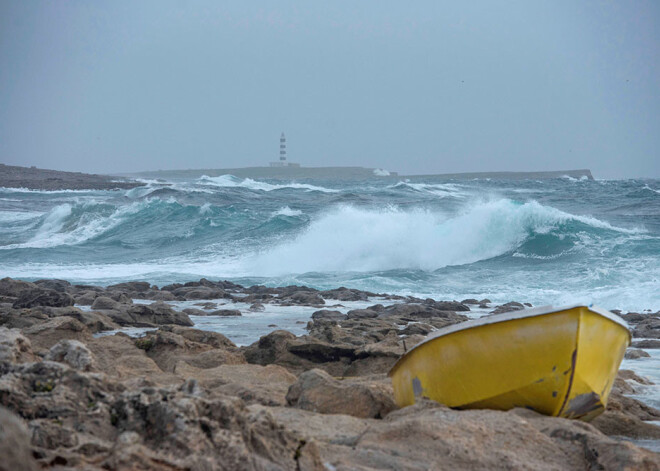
(551,241)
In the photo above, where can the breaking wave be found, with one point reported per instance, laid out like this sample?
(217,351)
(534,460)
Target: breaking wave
(231,181)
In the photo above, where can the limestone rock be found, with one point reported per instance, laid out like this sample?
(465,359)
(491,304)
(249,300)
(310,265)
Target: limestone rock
(14,346)
(73,353)
(14,444)
(317,391)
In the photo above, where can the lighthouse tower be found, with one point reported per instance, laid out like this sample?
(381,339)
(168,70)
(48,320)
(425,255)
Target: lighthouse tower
(283,149)
(283,162)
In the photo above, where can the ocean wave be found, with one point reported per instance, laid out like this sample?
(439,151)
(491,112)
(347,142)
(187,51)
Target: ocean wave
(230,181)
(355,239)
(439,189)
(286,211)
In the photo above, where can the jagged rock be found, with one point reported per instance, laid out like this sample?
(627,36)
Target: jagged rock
(648,328)
(305,298)
(104,302)
(94,321)
(57,285)
(141,315)
(362,314)
(470,301)
(167,349)
(651,343)
(346,294)
(266,385)
(416,328)
(421,311)
(269,348)
(14,288)
(315,390)
(200,292)
(73,353)
(14,346)
(508,307)
(447,305)
(15,447)
(43,297)
(225,313)
(131,286)
(47,334)
(328,315)
(635,354)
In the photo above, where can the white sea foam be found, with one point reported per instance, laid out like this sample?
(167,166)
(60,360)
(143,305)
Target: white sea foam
(205,209)
(231,181)
(381,172)
(439,189)
(286,211)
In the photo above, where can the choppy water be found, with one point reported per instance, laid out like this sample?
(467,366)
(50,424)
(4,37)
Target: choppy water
(548,241)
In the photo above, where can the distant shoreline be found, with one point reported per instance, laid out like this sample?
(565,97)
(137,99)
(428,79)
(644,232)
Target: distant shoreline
(349,173)
(33,178)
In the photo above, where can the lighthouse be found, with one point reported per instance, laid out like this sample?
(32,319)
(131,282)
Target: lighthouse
(283,162)
(283,149)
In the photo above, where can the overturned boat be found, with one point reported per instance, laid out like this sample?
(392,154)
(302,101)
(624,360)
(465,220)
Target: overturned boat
(557,361)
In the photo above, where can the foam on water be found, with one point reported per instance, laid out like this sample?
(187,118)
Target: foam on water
(286,211)
(231,181)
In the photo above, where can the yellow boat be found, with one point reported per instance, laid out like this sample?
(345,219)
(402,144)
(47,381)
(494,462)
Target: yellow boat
(557,361)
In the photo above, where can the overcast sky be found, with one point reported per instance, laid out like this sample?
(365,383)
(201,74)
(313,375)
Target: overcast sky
(415,87)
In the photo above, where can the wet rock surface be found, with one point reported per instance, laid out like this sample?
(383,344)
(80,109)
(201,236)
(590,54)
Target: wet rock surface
(180,398)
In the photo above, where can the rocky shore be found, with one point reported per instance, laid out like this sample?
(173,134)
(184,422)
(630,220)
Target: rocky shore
(32,178)
(181,398)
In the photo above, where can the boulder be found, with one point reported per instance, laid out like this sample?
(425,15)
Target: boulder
(57,285)
(362,314)
(317,391)
(225,313)
(141,315)
(104,302)
(648,328)
(650,343)
(635,354)
(131,286)
(303,298)
(14,346)
(267,385)
(47,334)
(167,349)
(14,288)
(328,315)
(43,297)
(94,321)
(346,294)
(257,307)
(15,447)
(508,307)
(73,353)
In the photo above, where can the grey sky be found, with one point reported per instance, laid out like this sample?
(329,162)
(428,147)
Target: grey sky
(418,87)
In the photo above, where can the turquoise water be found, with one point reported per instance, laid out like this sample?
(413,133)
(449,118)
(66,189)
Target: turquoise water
(547,241)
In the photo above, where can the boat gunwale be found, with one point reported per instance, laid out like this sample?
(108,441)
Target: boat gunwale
(510,316)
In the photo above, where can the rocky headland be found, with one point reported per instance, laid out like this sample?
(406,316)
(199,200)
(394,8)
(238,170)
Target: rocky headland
(181,398)
(32,178)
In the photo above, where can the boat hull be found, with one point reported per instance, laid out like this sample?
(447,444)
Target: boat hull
(560,363)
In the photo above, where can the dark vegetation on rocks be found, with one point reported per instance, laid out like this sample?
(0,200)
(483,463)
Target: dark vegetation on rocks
(181,398)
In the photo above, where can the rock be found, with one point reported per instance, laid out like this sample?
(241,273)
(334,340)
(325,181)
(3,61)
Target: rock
(269,348)
(225,313)
(104,302)
(266,385)
(73,353)
(14,346)
(651,343)
(328,315)
(317,391)
(362,314)
(119,357)
(140,315)
(485,301)
(304,298)
(634,317)
(15,447)
(86,298)
(648,328)
(416,328)
(168,349)
(470,301)
(508,307)
(257,307)
(420,311)
(57,285)
(626,416)
(21,318)
(94,321)
(199,292)
(447,305)
(43,297)
(345,294)
(47,334)
(14,288)
(635,354)
(131,286)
